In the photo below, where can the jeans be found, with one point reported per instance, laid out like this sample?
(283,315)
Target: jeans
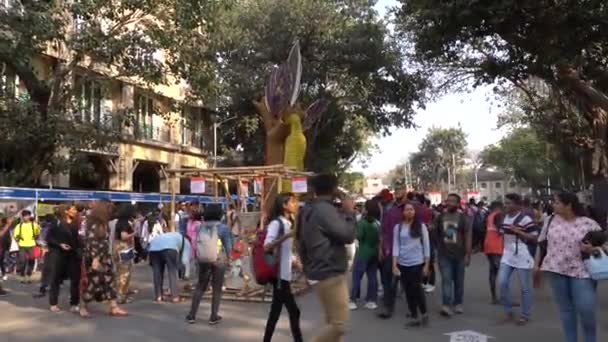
(59,265)
(369,268)
(282,296)
(26,261)
(333,295)
(208,272)
(160,260)
(389,284)
(525,280)
(411,280)
(494,262)
(576,298)
(452,280)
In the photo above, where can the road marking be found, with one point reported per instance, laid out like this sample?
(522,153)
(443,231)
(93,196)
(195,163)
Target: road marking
(468,336)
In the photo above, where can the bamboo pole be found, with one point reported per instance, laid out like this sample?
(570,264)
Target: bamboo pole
(172,183)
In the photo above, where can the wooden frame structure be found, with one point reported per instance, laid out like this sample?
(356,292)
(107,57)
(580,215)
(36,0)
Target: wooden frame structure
(275,173)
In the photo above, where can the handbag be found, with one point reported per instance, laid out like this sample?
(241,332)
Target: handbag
(126,255)
(14,246)
(597,265)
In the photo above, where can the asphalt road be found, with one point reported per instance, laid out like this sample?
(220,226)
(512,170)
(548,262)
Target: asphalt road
(23,318)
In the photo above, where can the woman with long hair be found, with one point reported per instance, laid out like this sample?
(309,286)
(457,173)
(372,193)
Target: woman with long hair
(411,255)
(366,257)
(98,265)
(123,251)
(64,256)
(562,260)
(279,240)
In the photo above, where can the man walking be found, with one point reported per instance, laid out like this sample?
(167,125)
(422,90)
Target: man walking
(389,220)
(322,237)
(520,236)
(454,236)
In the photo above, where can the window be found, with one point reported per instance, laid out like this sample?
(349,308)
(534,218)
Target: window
(89,101)
(511,185)
(192,127)
(144,117)
(484,185)
(498,185)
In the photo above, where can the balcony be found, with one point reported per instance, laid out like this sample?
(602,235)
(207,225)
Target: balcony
(151,133)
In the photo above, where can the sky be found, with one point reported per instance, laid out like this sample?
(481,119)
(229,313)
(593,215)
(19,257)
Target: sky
(475,113)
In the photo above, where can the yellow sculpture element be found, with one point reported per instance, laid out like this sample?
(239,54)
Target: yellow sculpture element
(295,146)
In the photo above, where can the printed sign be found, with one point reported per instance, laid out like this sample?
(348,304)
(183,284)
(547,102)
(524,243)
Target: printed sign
(299,185)
(197,185)
(258,184)
(468,336)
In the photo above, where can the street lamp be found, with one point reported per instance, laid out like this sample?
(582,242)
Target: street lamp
(215,126)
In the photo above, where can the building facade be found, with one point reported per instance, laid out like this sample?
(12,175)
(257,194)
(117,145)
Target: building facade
(161,132)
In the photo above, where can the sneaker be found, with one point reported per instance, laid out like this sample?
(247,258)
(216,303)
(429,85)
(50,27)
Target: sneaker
(190,319)
(371,306)
(352,305)
(5,277)
(429,288)
(424,321)
(413,323)
(385,314)
(215,320)
(75,309)
(459,309)
(446,311)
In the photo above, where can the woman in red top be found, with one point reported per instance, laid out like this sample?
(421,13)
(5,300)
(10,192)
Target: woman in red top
(493,245)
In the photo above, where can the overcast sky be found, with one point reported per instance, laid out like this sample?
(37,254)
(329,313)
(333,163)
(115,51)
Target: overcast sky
(472,111)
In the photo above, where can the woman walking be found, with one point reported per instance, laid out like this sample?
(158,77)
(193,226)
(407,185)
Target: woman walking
(279,240)
(493,245)
(123,250)
(98,265)
(64,257)
(573,289)
(366,257)
(411,254)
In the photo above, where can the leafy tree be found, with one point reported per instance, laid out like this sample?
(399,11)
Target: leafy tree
(349,58)
(147,43)
(531,160)
(553,52)
(438,152)
(354,182)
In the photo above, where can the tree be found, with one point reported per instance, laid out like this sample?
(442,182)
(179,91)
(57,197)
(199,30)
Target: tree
(147,43)
(548,50)
(349,58)
(440,154)
(523,155)
(354,182)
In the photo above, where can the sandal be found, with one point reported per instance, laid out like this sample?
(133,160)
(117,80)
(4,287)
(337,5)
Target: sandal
(55,309)
(84,314)
(522,321)
(177,300)
(117,312)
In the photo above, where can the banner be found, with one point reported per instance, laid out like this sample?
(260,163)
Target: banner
(197,185)
(299,185)
(258,185)
(245,188)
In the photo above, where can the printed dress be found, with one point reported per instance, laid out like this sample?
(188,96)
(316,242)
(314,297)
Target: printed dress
(99,283)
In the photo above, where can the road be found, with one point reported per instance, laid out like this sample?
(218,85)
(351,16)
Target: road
(26,319)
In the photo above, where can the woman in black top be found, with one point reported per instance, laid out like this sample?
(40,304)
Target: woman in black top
(64,257)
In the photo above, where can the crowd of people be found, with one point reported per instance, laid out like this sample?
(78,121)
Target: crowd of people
(400,239)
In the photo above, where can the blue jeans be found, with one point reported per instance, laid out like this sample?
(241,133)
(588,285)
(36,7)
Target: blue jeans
(525,281)
(369,268)
(575,297)
(452,279)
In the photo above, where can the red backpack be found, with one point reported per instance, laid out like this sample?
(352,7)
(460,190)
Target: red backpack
(265,265)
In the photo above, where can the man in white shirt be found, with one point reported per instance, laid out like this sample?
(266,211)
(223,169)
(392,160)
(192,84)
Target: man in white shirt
(520,239)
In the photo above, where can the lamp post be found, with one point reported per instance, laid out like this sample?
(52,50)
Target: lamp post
(215,127)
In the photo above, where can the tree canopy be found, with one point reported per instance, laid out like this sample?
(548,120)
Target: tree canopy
(553,52)
(147,43)
(349,58)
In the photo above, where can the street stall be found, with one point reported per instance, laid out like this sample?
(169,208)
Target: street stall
(266,180)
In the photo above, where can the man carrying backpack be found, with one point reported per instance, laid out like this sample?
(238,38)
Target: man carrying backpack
(453,235)
(520,239)
(212,262)
(322,235)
